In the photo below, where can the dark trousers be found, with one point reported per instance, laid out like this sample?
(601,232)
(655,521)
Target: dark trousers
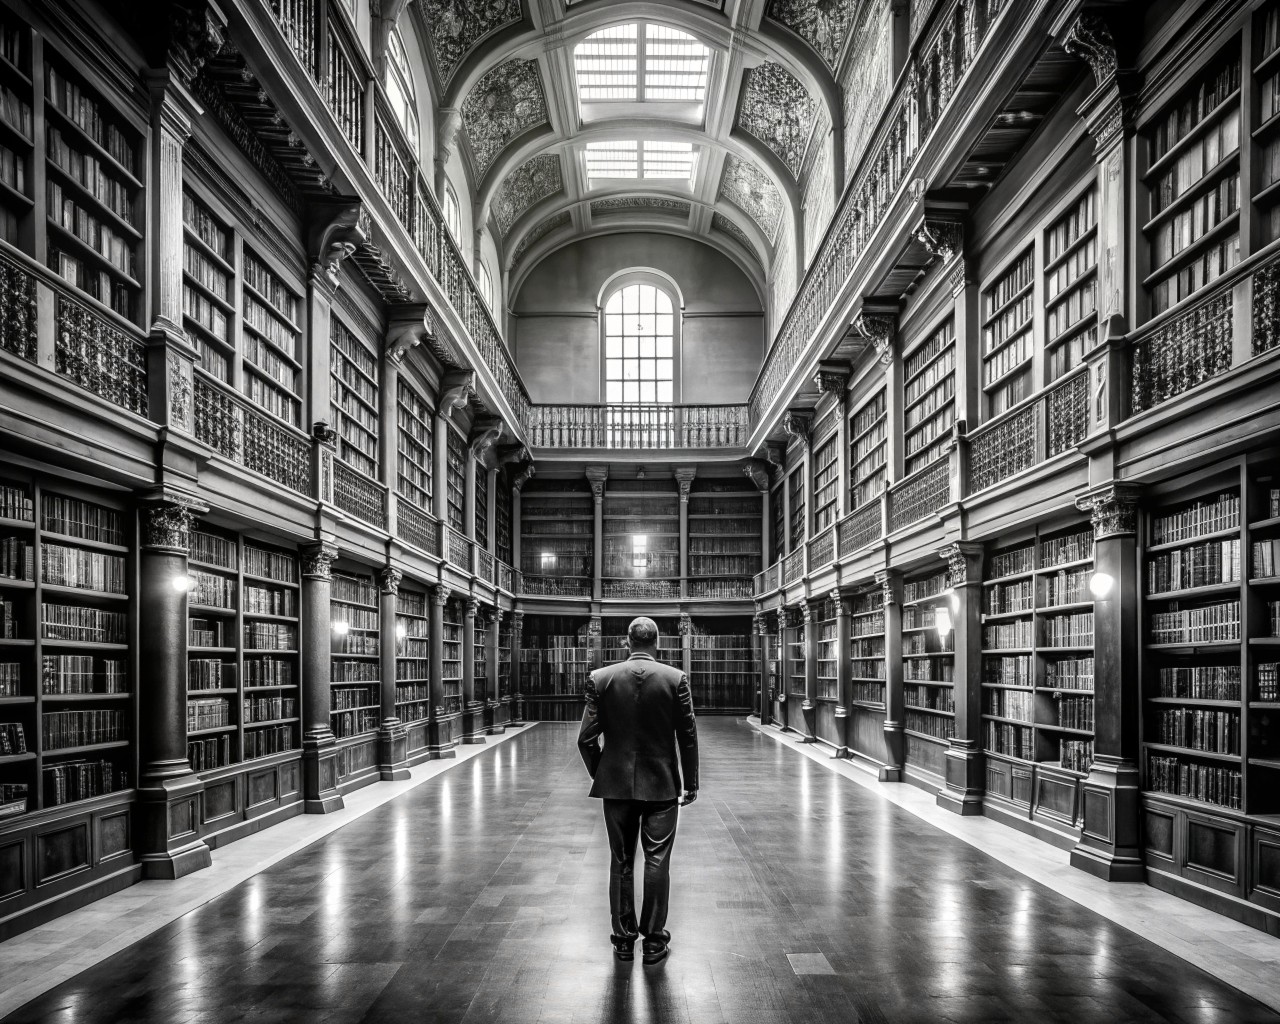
(655,825)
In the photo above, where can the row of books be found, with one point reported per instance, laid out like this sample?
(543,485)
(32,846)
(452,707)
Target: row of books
(281,404)
(269,601)
(1016,704)
(1081,301)
(353,697)
(81,728)
(356,643)
(1075,712)
(271,565)
(1209,515)
(83,520)
(204,226)
(13,739)
(938,670)
(208,713)
(1013,281)
(10,678)
(82,108)
(1076,755)
(930,586)
(929,697)
(268,671)
(1010,597)
(79,780)
(264,742)
(350,590)
(267,709)
(77,673)
(870,693)
(1011,563)
(8,619)
(87,170)
(270,636)
(867,668)
(938,726)
(1069,673)
(353,723)
(418,691)
(1197,625)
(1221,786)
(350,671)
(212,549)
(1074,630)
(1010,670)
(1267,675)
(703,505)
(99,236)
(1190,223)
(204,272)
(1199,682)
(1265,558)
(17,559)
(1071,228)
(1074,547)
(1199,729)
(13,799)
(98,284)
(16,503)
(1012,740)
(719,589)
(15,111)
(85,570)
(73,622)
(356,618)
(209,632)
(723,565)
(1005,635)
(209,752)
(918,618)
(265,282)
(1067,587)
(1199,565)
(204,312)
(867,624)
(212,590)
(210,674)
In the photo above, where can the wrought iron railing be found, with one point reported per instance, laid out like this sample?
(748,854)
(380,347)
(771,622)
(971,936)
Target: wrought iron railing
(485,565)
(99,356)
(17,310)
(772,577)
(640,589)
(359,496)
(637,426)
(556,586)
(1183,351)
(390,168)
(416,527)
(457,549)
(940,62)
(1004,447)
(722,588)
(1067,413)
(919,495)
(822,549)
(1266,306)
(344,88)
(237,431)
(793,566)
(299,20)
(862,527)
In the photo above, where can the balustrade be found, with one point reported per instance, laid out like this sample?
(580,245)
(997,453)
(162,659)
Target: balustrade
(357,495)
(485,565)
(919,495)
(793,567)
(822,549)
(864,526)
(344,89)
(640,589)
(416,527)
(505,577)
(298,21)
(556,586)
(722,588)
(1005,447)
(457,549)
(391,171)
(17,310)
(772,576)
(1266,307)
(100,357)
(1182,352)
(622,427)
(239,432)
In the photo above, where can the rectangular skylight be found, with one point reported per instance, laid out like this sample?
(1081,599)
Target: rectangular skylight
(620,159)
(669,160)
(675,66)
(607,66)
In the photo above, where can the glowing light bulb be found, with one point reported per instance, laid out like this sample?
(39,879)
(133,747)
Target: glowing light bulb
(1100,584)
(341,628)
(942,620)
(183,584)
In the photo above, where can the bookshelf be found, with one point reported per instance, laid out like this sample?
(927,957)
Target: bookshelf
(1211,612)
(482,508)
(795,644)
(269,656)
(1267,136)
(778,524)
(93,188)
(451,663)
(723,670)
(17,135)
(480,648)
(796,495)
(826,482)
(213,650)
(641,522)
(413,665)
(868,450)
(415,420)
(1008,308)
(557,534)
(353,397)
(355,699)
(208,287)
(504,657)
(66,641)
(554,664)
(1071,285)
(928,673)
(271,339)
(829,651)
(724,539)
(455,479)
(928,393)
(1193,179)
(502,533)
(867,668)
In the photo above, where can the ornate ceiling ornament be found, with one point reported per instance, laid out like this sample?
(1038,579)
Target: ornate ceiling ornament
(752,191)
(534,180)
(643,204)
(823,24)
(1112,508)
(456,25)
(719,222)
(504,104)
(538,232)
(778,110)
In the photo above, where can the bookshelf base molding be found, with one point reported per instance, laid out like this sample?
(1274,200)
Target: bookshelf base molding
(320,775)
(169,818)
(443,736)
(496,717)
(473,724)
(809,711)
(962,793)
(393,752)
(842,722)
(1110,839)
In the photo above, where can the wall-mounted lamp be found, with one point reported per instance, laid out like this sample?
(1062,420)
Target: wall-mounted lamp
(183,584)
(1100,584)
(341,628)
(401,631)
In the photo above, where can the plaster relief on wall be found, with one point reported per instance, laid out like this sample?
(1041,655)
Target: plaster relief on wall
(504,104)
(719,222)
(457,24)
(778,111)
(752,191)
(868,84)
(535,179)
(538,232)
(640,204)
(823,24)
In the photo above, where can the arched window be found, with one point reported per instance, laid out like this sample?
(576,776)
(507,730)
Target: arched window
(452,216)
(400,91)
(640,345)
(486,286)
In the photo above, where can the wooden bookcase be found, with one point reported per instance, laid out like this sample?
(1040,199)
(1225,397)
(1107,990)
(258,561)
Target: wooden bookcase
(826,482)
(353,397)
(480,656)
(502,541)
(795,644)
(1008,341)
(928,673)
(482,508)
(455,479)
(928,392)
(724,539)
(1266,68)
(778,524)
(413,665)
(555,660)
(829,652)
(557,536)
(641,522)
(867,668)
(208,287)
(413,445)
(723,670)
(504,657)
(868,450)
(451,667)
(355,697)
(17,131)
(1071,285)
(796,495)
(271,339)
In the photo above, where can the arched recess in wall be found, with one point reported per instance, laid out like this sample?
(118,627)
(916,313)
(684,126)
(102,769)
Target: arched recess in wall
(640,312)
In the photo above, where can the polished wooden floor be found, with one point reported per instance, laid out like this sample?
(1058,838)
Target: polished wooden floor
(798,896)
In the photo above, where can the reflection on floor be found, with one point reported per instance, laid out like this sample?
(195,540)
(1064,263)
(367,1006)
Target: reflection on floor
(480,896)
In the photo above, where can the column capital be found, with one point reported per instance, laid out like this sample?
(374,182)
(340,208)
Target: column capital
(890,584)
(472,608)
(441,596)
(317,561)
(761,623)
(685,625)
(964,562)
(389,580)
(167,516)
(596,476)
(497,616)
(1112,508)
(684,480)
(595,628)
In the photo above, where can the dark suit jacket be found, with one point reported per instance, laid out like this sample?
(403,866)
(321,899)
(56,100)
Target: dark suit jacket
(644,711)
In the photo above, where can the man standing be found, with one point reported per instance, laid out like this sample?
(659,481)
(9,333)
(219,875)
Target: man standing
(644,711)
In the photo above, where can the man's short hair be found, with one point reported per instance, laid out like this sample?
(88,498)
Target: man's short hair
(643,632)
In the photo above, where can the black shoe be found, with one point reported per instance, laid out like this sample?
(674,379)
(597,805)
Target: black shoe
(655,952)
(624,950)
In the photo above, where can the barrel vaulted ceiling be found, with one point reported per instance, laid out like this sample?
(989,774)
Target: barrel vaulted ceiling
(507,82)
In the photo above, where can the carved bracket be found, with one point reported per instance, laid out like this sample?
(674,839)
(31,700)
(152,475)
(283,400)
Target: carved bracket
(878,328)
(940,238)
(410,325)
(597,475)
(485,433)
(797,424)
(964,562)
(1089,38)
(523,476)
(890,584)
(832,378)
(513,455)
(457,389)
(1112,508)
(338,229)
(757,471)
(684,480)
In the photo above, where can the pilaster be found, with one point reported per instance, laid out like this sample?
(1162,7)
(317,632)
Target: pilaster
(760,629)
(597,475)
(472,709)
(441,735)
(811,612)
(393,737)
(890,584)
(319,751)
(169,792)
(965,781)
(844,670)
(494,726)
(517,668)
(1110,841)
(684,481)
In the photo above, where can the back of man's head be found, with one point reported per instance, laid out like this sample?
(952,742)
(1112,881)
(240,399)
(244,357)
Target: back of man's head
(642,634)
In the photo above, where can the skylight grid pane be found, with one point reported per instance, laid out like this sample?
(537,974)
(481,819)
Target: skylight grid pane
(613,159)
(607,65)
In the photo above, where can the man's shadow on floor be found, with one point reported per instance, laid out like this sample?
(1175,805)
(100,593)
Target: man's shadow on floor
(628,998)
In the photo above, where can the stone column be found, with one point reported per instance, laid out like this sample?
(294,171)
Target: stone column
(497,723)
(595,631)
(319,751)
(169,794)
(686,642)
(597,475)
(844,669)
(760,624)
(684,480)
(890,583)
(1110,842)
(441,734)
(472,709)
(517,668)
(393,737)
(965,769)
(811,611)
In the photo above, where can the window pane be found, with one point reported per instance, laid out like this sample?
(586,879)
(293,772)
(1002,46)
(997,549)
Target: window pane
(631,299)
(665,324)
(664,369)
(613,391)
(646,347)
(631,369)
(631,392)
(613,348)
(614,369)
(646,298)
(644,323)
(647,392)
(613,321)
(664,303)
(631,347)
(664,347)
(614,305)
(648,369)
(665,391)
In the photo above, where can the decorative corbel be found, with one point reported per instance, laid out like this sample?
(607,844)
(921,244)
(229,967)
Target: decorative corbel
(485,433)
(325,434)
(410,325)
(197,32)
(757,471)
(596,476)
(684,480)
(1089,38)
(878,327)
(1109,110)
(167,516)
(832,378)
(513,454)
(389,580)
(337,230)
(940,238)
(457,389)
(964,562)
(775,454)
(524,476)
(797,424)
